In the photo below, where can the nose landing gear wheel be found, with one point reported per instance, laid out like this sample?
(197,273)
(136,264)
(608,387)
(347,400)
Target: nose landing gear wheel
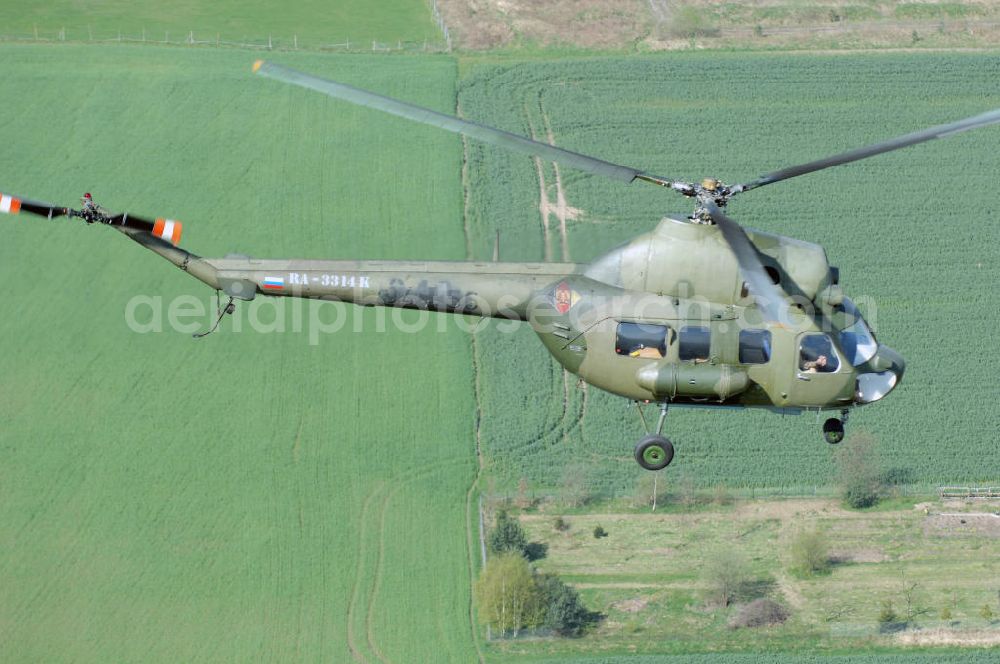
(654,452)
(833,431)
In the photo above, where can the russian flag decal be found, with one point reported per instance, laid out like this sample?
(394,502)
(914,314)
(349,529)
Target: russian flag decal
(274,283)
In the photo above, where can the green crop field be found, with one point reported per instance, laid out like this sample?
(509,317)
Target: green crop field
(307,23)
(915,234)
(249,495)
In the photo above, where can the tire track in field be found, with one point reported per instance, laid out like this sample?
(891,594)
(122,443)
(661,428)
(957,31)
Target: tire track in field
(563,213)
(376,585)
(356,588)
(545,207)
(562,209)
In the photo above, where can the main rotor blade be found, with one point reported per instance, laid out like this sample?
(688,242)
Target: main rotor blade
(475,130)
(770,299)
(940,131)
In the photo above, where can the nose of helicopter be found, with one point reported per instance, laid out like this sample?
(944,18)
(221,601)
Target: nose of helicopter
(888,366)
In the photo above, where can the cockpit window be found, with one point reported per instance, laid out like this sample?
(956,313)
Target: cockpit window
(642,340)
(695,343)
(816,354)
(755,346)
(856,339)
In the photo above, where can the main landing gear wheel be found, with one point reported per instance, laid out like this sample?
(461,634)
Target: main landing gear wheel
(833,431)
(654,452)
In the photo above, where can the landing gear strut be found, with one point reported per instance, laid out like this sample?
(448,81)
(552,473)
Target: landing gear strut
(654,451)
(833,428)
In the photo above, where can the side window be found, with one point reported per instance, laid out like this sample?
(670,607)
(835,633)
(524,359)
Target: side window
(816,354)
(755,346)
(695,343)
(642,340)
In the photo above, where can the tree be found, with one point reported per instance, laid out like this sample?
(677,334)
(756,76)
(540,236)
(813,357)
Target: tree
(810,552)
(725,572)
(565,614)
(908,589)
(650,489)
(507,536)
(573,491)
(887,615)
(507,596)
(858,471)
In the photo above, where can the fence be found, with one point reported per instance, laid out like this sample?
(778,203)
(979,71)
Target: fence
(969,491)
(191,38)
(436,13)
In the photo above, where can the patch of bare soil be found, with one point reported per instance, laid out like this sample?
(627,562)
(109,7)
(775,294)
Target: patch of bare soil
(862,556)
(596,24)
(683,24)
(859,556)
(950,637)
(963,524)
(630,605)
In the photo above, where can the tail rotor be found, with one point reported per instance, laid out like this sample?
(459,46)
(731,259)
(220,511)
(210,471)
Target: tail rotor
(167,230)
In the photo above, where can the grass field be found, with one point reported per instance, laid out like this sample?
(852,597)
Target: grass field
(314,23)
(914,233)
(249,495)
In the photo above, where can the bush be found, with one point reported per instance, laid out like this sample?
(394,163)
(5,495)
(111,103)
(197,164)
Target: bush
(946,613)
(535,551)
(691,22)
(986,613)
(721,495)
(810,552)
(560,524)
(599,532)
(861,493)
(759,613)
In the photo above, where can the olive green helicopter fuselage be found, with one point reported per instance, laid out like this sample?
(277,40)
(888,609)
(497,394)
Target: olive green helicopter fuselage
(665,317)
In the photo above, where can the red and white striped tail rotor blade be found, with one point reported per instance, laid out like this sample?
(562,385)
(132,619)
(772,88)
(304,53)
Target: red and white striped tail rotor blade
(10,204)
(168,230)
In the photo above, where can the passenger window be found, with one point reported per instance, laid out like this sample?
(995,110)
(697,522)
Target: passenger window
(816,355)
(642,340)
(694,343)
(755,346)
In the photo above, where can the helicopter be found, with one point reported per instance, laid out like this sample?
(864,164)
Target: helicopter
(698,312)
